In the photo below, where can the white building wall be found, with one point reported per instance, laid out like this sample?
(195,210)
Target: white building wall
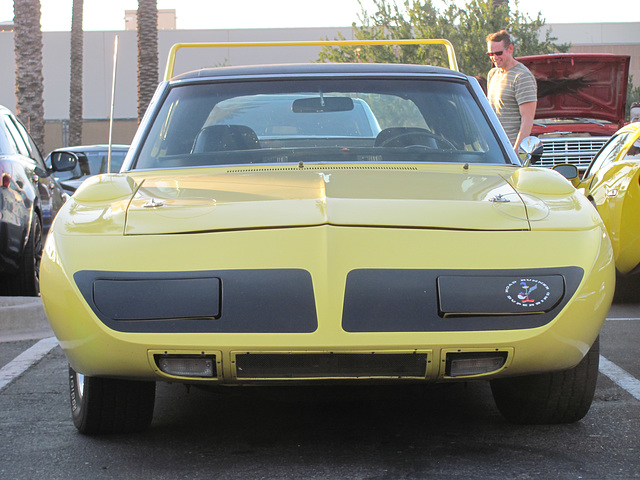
(595,33)
(98,64)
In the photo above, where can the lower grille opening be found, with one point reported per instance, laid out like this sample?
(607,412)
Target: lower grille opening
(330,365)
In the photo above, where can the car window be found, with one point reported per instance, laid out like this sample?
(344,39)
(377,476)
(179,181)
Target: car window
(274,116)
(18,141)
(7,143)
(607,154)
(34,152)
(634,151)
(319,120)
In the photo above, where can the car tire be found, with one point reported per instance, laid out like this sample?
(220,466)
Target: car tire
(107,405)
(549,398)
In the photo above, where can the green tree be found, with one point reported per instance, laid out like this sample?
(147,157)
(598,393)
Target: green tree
(75,79)
(147,53)
(29,77)
(465,27)
(633,95)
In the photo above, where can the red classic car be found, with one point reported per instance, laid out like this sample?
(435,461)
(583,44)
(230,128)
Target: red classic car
(581,103)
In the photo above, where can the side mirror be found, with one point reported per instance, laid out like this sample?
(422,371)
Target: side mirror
(63,161)
(530,151)
(567,170)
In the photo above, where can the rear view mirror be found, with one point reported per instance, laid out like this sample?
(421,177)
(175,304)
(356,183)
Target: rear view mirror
(567,170)
(322,104)
(530,151)
(63,161)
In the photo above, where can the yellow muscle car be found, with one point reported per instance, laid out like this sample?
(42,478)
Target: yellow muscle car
(612,183)
(323,224)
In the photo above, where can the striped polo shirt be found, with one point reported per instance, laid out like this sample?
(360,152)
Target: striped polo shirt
(506,91)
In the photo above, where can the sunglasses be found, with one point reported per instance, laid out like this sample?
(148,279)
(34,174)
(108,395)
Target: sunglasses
(496,54)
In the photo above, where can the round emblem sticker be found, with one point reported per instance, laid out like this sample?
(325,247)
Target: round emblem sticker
(527,292)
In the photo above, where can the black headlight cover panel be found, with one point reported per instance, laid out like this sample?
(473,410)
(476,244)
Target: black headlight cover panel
(420,300)
(222,301)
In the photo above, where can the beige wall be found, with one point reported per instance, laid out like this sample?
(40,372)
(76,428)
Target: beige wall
(93,132)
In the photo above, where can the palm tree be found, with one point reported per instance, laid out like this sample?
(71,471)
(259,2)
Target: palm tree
(75,80)
(147,53)
(29,78)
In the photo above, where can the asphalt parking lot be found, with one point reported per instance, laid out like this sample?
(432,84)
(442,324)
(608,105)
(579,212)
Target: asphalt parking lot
(442,431)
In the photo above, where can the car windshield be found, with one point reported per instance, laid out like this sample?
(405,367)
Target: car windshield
(93,163)
(319,120)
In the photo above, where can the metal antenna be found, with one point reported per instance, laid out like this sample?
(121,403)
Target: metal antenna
(113,95)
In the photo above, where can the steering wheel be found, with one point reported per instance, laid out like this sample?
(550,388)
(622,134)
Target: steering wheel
(414,140)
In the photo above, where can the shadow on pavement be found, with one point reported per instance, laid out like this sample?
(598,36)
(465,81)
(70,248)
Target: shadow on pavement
(627,289)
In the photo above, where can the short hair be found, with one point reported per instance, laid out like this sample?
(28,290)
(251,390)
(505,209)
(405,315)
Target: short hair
(501,36)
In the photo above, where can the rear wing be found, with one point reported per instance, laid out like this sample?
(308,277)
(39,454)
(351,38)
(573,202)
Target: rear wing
(453,63)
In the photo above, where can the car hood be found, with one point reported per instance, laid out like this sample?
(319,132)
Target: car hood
(354,196)
(590,86)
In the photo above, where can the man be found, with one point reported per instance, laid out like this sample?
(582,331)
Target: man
(511,89)
(634,112)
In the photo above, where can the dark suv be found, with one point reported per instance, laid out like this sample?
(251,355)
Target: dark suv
(29,199)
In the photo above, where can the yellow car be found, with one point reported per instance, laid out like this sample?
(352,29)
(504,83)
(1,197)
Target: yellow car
(612,183)
(323,224)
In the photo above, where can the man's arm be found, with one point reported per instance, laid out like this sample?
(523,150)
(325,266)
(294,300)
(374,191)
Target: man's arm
(527,111)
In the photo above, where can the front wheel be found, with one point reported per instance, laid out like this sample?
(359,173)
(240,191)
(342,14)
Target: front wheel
(107,405)
(549,398)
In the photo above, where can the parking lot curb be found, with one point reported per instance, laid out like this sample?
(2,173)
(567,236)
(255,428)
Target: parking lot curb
(23,318)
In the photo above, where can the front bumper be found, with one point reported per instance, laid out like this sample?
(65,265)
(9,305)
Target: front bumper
(365,301)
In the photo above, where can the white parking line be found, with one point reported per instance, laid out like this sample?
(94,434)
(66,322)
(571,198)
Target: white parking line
(25,360)
(621,377)
(626,319)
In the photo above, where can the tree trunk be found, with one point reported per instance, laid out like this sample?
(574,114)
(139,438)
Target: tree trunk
(75,80)
(147,53)
(29,78)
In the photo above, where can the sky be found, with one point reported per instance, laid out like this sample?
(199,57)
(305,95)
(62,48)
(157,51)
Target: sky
(225,14)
